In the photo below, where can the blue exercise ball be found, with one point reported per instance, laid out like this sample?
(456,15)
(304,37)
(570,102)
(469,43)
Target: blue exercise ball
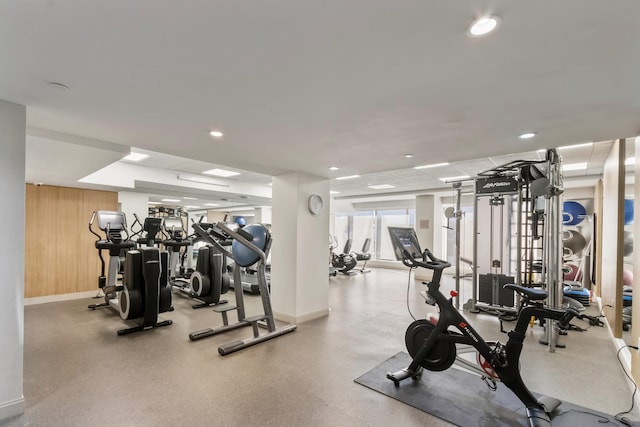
(240,220)
(573,213)
(260,237)
(628,211)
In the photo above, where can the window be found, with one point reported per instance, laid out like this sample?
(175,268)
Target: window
(384,219)
(358,226)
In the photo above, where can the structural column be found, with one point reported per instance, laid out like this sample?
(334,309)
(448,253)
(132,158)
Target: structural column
(300,252)
(12,187)
(429,228)
(131,203)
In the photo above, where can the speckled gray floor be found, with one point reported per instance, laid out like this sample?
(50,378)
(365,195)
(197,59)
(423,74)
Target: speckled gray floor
(79,373)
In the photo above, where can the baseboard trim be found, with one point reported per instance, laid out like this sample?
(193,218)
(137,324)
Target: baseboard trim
(12,408)
(58,298)
(302,318)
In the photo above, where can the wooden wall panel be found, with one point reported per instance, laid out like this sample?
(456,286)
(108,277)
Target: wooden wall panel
(60,256)
(635,326)
(612,236)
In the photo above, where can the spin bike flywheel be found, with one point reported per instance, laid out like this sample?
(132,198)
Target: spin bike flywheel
(441,356)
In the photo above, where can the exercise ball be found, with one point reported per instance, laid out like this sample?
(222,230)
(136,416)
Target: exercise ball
(240,220)
(572,213)
(573,242)
(627,248)
(570,271)
(244,256)
(627,278)
(628,211)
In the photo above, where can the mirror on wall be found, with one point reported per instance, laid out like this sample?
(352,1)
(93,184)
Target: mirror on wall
(628,241)
(577,244)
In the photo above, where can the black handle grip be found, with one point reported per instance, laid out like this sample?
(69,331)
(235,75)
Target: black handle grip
(245,234)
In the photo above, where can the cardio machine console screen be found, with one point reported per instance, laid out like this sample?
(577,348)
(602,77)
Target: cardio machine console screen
(405,238)
(112,219)
(173,223)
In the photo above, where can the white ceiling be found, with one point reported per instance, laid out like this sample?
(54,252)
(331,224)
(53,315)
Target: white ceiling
(303,85)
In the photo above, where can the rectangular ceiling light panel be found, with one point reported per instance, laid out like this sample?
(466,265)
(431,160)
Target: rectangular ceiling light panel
(221,172)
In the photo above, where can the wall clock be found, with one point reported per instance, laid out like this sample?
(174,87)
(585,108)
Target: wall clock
(315,204)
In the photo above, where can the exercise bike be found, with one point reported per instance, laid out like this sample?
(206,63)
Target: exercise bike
(344,262)
(433,343)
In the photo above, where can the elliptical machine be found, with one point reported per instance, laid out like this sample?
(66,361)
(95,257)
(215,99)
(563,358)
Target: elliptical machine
(113,224)
(433,343)
(145,291)
(149,230)
(176,242)
(210,279)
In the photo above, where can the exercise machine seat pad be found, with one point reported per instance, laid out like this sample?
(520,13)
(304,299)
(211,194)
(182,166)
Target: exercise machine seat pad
(244,256)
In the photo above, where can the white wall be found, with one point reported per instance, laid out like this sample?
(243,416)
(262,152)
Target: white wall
(131,203)
(263,215)
(299,257)
(12,187)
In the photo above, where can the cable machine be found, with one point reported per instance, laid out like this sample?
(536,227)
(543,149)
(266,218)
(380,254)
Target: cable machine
(518,214)
(496,191)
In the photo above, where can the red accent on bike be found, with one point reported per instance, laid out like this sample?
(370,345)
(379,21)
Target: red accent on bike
(486,367)
(453,294)
(463,325)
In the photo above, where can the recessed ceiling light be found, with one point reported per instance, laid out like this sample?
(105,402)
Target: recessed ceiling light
(348,177)
(630,161)
(435,165)
(574,166)
(454,178)
(483,25)
(381,186)
(171,200)
(221,172)
(527,135)
(334,192)
(333,168)
(212,204)
(192,207)
(155,203)
(216,134)
(135,157)
(568,147)
(189,198)
(408,156)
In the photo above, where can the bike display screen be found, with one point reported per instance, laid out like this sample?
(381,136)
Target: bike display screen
(405,238)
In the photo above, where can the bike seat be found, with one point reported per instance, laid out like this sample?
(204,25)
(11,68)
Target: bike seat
(532,293)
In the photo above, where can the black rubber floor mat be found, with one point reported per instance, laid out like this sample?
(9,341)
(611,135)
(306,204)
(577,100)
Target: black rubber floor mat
(463,399)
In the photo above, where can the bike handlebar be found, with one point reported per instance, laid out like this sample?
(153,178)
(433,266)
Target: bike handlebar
(429,261)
